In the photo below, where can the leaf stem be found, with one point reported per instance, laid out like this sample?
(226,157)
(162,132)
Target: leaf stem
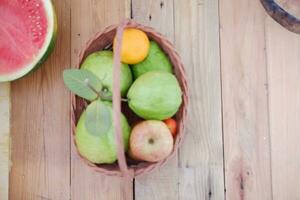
(87,82)
(100,94)
(124,99)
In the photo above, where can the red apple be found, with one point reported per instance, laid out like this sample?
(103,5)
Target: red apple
(150,141)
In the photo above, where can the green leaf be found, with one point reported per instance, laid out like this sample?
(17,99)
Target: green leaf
(83,83)
(98,118)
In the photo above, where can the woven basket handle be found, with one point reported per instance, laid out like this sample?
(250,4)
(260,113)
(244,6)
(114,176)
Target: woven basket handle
(281,16)
(117,101)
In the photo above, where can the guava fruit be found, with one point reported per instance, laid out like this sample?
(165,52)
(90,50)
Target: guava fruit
(100,149)
(27,36)
(101,64)
(156,60)
(155,95)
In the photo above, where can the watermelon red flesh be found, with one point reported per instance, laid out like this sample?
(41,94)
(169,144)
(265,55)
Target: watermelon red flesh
(23,32)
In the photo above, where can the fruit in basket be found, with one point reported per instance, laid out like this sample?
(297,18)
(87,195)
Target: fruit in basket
(101,64)
(99,147)
(155,95)
(27,36)
(172,125)
(156,60)
(150,141)
(135,46)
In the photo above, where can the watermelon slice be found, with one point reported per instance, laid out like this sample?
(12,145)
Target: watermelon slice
(27,36)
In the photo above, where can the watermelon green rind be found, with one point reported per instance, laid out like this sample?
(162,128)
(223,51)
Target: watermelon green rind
(52,42)
(47,49)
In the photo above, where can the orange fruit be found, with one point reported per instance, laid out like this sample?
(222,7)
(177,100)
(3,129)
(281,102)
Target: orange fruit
(172,125)
(135,46)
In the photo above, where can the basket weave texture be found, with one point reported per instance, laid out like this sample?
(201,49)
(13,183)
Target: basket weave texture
(103,39)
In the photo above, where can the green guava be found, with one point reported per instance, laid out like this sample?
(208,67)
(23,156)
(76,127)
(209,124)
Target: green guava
(156,60)
(155,95)
(100,149)
(101,64)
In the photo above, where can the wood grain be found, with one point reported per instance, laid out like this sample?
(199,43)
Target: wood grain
(89,17)
(201,155)
(283,50)
(4,139)
(40,124)
(245,100)
(155,13)
(162,183)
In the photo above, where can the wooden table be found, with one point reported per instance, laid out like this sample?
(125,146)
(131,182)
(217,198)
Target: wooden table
(243,132)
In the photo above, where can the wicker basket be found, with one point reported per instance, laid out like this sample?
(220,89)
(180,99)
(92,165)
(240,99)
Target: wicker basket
(126,166)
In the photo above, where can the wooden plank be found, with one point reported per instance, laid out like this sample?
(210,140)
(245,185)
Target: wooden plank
(283,49)
(40,125)
(245,100)
(4,139)
(201,156)
(89,17)
(163,182)
(198,179)
(155,13)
